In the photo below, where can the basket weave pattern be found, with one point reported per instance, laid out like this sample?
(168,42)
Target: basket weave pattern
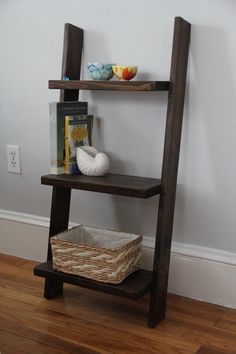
(101,264)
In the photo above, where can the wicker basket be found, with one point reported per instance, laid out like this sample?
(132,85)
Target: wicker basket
(99,254)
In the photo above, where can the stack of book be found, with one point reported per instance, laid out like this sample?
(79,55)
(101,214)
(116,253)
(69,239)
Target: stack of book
(70,127)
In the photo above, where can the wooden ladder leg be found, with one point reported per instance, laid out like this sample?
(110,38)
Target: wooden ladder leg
(59,220)
(52,288)
(71,66)
(169,171)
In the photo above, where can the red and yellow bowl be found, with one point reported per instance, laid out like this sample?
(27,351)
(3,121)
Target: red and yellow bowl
(124,72)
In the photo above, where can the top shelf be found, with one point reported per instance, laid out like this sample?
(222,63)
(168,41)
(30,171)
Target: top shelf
(109,85)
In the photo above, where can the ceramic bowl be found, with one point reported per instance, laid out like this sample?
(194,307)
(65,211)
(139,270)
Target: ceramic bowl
(124,72)
(99,71)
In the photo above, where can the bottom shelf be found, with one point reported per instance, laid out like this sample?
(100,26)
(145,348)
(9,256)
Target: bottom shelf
(134,286)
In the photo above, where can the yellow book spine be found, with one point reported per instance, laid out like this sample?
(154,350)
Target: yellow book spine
(67,144)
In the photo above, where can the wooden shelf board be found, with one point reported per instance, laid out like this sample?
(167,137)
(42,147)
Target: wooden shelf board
(131,186)
(109,85)
(133,287)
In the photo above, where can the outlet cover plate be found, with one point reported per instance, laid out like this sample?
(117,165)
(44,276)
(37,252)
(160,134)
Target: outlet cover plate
(13,158)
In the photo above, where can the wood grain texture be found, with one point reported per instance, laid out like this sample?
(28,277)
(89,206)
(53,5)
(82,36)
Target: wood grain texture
(60,210)
(170,163)
(71,59)
(109,85)
(211,350)
(127,185)
(89,322)
(133,287)
(59,220)
(228,325)
(131,186)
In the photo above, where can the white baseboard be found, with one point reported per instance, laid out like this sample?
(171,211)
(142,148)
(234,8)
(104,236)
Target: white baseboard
(197,272)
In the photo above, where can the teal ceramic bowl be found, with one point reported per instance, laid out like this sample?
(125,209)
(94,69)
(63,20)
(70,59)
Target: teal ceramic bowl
(99,71)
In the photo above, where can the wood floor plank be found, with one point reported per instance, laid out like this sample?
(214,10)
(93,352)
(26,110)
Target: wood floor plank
(202,309)
(105,313)
(12,260)
(88,322)
(205,335)
(30,341)
(85,332)
(212,350)
(227,325)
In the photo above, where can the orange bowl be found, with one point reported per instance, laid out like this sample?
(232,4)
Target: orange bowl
(124,72)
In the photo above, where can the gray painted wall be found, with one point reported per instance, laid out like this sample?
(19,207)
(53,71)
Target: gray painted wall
(129,126)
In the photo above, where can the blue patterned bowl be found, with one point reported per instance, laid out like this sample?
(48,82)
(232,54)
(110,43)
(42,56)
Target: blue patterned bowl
(99,71)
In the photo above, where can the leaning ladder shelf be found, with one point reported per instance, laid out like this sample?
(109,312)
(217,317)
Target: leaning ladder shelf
(142,281)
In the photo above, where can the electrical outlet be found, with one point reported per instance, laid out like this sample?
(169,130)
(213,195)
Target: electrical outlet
(13,158)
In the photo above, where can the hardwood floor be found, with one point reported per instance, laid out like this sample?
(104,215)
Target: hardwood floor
(89,322)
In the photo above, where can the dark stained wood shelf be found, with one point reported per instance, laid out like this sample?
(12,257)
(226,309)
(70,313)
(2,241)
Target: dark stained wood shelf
(134,286)
(141,281)
(132,186)
(109,85)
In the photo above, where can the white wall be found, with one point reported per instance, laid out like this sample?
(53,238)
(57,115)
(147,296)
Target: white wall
(129,125)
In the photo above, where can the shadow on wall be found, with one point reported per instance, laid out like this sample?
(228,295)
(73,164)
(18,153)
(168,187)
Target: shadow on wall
(205,194)
(205,209)
(92,41)
(2,137)
(3,157)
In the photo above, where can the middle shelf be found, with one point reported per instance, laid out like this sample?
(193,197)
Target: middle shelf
(131,186)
